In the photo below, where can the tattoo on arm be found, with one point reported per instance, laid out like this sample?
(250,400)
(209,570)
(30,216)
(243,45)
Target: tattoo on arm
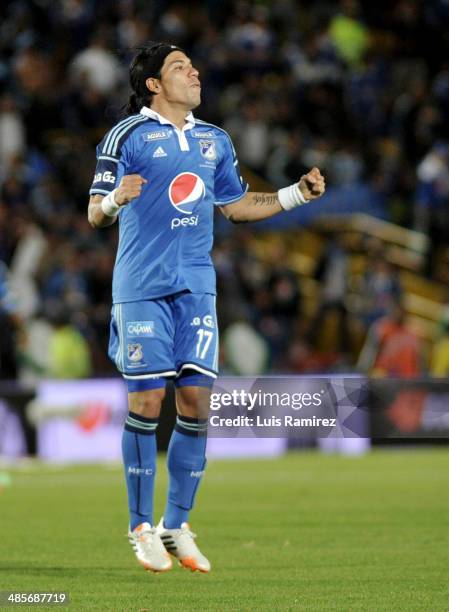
(254,206)
(265,199)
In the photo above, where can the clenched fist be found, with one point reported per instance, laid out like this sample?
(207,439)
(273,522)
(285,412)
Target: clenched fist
(130,188)
(312,184)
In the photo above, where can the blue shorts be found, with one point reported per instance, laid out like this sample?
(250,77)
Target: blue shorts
(171,337)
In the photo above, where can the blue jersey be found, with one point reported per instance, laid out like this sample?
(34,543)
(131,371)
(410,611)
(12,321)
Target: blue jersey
(165,235)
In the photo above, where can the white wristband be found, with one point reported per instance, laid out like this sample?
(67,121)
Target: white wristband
(109,206)
(290,197)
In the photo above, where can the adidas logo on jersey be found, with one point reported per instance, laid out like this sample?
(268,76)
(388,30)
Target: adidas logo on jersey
(159,152)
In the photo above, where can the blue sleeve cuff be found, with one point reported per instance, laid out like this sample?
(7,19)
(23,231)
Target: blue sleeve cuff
(232,199)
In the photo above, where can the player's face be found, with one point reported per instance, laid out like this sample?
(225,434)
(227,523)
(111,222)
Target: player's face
(179,81)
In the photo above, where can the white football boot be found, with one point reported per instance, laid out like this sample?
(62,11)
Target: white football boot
(181,544)
(150,551)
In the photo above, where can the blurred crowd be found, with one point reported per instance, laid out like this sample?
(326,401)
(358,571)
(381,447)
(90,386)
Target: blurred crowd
(358,324)
(357,88)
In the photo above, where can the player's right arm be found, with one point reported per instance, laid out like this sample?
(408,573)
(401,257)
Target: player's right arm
(102,212)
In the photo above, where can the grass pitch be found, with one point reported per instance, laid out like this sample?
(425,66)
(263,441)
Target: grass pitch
(304,532)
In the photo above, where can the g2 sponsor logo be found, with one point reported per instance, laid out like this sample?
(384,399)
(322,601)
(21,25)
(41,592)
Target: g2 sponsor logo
(185,191)
(104,177)
(184,221)
(142,329)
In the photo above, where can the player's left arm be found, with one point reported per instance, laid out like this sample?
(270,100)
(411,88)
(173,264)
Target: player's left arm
(255,206)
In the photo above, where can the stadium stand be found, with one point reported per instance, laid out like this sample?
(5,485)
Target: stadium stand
(359,90)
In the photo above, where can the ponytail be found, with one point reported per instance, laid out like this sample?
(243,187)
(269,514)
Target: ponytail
(133,106)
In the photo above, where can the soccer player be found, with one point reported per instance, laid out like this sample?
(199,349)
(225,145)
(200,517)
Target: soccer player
(161,172)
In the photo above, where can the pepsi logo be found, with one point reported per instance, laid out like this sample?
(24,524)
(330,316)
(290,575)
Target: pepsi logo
(185,191)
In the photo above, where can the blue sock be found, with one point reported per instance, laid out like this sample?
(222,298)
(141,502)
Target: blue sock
(139,459)
(186,461)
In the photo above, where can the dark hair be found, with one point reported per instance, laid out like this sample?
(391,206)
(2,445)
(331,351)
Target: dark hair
(147,63)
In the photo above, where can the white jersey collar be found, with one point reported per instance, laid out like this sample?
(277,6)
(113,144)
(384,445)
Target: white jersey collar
(149,112)
(181,134)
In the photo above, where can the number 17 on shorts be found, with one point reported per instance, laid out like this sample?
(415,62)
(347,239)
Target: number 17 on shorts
(196,340)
